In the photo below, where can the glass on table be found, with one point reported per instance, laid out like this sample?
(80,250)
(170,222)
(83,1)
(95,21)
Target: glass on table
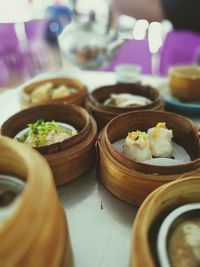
(26,52)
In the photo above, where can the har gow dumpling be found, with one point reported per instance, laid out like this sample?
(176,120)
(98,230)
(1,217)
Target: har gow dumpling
(137,147)
(160,140)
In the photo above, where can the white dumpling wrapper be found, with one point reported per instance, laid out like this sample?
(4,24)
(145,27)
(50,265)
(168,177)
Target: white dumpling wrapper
(138,150)
(125,99)
(161,142)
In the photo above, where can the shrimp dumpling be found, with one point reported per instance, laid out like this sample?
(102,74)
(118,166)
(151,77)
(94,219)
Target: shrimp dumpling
(137,147)
(160,140)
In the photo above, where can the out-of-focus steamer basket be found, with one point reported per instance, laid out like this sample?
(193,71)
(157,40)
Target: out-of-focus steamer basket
(70,158)
(36,232)
(77,97)
(158,204)
(130,180)
(103,114)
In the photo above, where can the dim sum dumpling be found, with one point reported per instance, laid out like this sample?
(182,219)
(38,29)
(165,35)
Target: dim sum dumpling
(60,91)
(41,92)
(43,133)
(127,100)
(137,147)
(160,140)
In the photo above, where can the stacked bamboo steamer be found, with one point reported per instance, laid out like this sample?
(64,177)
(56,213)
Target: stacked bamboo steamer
(36,233)
(159,203)
(68,159)
(132,181)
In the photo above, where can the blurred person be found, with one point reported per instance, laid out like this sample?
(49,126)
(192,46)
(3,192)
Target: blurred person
(183,14)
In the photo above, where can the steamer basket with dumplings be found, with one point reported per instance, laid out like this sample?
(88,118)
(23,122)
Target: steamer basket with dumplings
(132,179)
(53,91)
(169,233)
(107,102)
(68,158)
(27,195)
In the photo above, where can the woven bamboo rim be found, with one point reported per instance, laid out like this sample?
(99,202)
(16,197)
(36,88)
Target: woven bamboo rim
(46,241)
(165,198)
(70,164)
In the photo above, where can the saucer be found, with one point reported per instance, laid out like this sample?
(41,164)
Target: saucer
(174,102)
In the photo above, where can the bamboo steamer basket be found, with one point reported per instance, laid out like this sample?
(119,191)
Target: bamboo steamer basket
(103,114)
(77,97)
(72,157)
(159,203)
(132,181)
(36,233)
(185,82)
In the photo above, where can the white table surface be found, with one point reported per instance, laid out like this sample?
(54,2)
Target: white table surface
(100,225)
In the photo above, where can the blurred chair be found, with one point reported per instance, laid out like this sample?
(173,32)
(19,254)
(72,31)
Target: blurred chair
(35,28)
(8,37)
(179,48)
(133,52)
(26,52)
(8,43)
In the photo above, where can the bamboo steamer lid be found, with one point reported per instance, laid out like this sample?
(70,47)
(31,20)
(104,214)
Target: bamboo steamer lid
(36,234)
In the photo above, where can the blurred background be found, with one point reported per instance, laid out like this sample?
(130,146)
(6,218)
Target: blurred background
(39,35)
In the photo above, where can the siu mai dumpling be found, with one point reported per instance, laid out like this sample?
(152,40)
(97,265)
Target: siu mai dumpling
(160,140)
(137,147)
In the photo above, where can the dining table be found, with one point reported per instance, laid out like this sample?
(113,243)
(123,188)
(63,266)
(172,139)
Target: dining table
(100,224)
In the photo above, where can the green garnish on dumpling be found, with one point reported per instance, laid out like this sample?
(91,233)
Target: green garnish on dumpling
(43,133)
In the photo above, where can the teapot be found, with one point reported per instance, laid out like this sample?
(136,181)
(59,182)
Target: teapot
(89,44)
